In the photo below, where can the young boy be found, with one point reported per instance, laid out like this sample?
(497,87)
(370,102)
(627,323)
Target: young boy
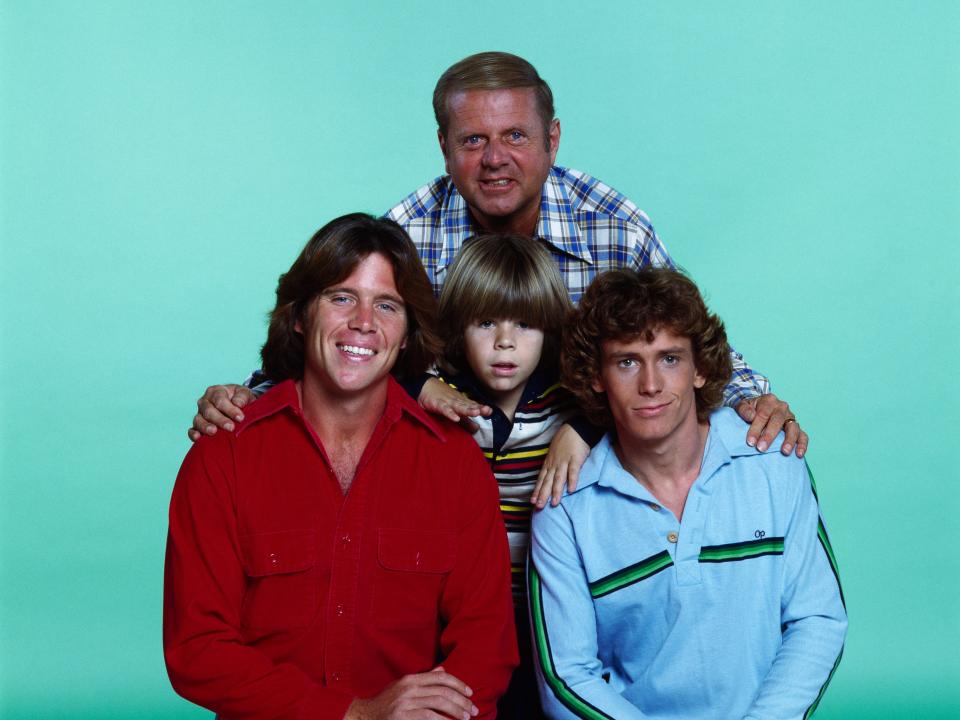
(502,311)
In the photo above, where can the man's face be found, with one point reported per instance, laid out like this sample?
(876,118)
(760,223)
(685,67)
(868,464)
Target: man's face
(355,330)
(499,154)
(503,355)
(650,387)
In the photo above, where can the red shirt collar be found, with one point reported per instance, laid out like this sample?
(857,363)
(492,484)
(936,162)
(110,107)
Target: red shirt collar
(284,395)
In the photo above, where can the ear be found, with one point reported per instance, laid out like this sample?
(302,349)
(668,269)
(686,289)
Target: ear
(443,149)
(554,139)
(698,380)
(597,385)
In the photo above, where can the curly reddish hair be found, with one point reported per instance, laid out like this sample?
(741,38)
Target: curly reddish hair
(622,305)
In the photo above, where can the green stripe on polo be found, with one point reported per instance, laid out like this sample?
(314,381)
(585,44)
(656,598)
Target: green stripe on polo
(823,688)
(573,702)
(742,550)
(825,540)
(828,549)
(630,575)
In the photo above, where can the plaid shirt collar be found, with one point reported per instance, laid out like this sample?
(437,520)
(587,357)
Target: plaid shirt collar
(556,226)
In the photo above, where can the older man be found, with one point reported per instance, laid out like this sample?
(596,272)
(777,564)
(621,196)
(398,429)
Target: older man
(499,140)
(340,555)
(688,576)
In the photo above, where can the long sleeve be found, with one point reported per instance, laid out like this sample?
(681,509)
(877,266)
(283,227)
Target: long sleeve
(207,658)
(569,672)
(478,642)
(813,617)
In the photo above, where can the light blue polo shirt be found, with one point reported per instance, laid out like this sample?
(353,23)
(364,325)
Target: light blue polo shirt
(735,612)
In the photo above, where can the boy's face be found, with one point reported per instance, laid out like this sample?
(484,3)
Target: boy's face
(503,354)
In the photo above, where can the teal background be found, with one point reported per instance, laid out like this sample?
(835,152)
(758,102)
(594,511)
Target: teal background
(161,165)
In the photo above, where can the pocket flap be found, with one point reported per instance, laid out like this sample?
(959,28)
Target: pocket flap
(275,553)
(426,551)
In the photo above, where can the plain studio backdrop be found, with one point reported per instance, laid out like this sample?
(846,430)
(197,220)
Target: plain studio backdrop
(163,163)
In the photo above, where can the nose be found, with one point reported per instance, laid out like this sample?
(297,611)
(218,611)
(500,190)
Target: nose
(493,153)
(505,338)
(362,319)
(649,380)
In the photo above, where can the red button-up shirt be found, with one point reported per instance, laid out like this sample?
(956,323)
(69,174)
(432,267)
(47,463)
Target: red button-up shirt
(285,598)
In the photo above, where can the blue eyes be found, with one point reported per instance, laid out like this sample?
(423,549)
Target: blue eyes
(668,360)
(514,136)
(488,324)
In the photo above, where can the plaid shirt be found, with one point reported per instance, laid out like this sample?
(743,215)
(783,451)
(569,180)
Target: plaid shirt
(586,225)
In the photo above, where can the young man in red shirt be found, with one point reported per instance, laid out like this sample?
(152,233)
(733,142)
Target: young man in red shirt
(341,555)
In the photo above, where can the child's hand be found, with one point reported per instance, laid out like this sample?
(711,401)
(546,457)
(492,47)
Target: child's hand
(441,399)
(566,456)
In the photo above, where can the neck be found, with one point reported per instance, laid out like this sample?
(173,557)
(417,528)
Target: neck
(344,424)
(525,224)
(508,402)
(667,467)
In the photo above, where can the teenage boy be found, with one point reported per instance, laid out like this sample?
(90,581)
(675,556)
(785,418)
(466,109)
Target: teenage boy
(689,575)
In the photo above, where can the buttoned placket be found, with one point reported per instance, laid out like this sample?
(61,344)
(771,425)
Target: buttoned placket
(342,605)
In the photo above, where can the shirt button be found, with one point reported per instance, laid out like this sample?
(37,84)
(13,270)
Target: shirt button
(672,537)
(655,507)
(339,609)
(274,559)
(335,677)
(345,540)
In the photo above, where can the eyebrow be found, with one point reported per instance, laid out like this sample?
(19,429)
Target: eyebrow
(676,350)
(350,291)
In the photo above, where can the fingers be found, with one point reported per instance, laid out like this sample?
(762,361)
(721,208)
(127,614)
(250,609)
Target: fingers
(794,438)
(573,473)
(440,691)
(469,425)
(747,409)
(768,415)
(219,407)
(440,399)
(543,490)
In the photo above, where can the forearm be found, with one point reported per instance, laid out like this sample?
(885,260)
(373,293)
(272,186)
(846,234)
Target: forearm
(812,614)
(802,670)
(566,652)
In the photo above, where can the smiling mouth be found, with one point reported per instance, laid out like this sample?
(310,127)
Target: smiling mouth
(496,184)
(650,410)
(356,350)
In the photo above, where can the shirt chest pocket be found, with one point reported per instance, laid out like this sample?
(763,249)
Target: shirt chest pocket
(281,579)
(412,567)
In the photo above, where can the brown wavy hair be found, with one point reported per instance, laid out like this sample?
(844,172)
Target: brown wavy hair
(502,277)
(491,71)
(622,305)
(330,256)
